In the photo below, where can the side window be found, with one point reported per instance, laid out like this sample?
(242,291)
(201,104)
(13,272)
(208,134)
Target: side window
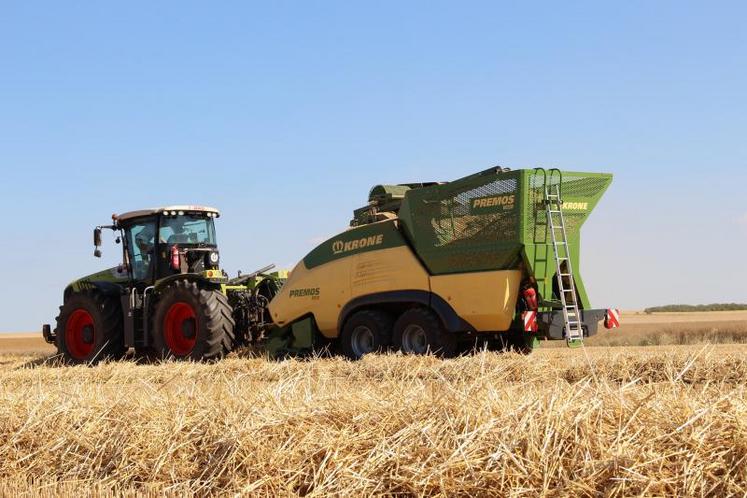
(141,243)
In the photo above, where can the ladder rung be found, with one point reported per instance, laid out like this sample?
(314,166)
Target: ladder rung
(564,274)
(554,211)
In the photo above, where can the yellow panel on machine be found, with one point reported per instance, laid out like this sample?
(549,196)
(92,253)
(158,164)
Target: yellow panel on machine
(370,274)
(328,279)
(486,300)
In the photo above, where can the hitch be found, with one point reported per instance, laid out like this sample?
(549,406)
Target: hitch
(47,333)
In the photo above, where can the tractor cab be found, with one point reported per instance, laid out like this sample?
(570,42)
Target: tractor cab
(162,242)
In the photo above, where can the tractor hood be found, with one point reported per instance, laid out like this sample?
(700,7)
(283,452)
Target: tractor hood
(108,277)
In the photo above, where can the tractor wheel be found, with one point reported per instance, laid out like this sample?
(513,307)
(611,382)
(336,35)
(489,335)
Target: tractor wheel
(419,331)
(89,329)
(192,323)
(367,331)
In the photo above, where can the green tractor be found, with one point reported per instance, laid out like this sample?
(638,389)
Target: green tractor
(168,298)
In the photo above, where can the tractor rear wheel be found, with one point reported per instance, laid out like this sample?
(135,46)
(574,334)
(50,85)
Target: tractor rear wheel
(89,328)
(366,331)
(192,323)
(419,331)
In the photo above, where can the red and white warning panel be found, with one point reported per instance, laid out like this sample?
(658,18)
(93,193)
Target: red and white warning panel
(612,318)
(530,321)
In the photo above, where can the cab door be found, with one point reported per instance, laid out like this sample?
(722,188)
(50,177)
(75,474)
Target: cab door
(141,248)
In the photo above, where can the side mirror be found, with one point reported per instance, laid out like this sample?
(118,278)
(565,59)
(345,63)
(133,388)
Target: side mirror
(97,242)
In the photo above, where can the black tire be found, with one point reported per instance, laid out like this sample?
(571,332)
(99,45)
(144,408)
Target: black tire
(366,331)
(192,323)
(419,331)
(517,341)
(90,328)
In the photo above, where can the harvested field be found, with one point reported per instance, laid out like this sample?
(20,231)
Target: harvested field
(654,421)
(611,421)
(27,343)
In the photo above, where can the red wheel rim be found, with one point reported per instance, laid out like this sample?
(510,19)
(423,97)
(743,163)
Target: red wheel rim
(78,345)
(177,328)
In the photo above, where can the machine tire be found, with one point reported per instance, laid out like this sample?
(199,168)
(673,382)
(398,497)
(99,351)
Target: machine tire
(366,331)
(184,305)
(419,331)
(89,328)
(516,341)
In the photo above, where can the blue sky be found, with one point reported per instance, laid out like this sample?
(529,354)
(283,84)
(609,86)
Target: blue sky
(284,114)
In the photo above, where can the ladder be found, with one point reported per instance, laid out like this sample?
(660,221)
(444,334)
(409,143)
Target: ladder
(574,333)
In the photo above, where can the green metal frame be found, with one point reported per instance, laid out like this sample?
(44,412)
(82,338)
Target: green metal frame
(538,250)
(497,220)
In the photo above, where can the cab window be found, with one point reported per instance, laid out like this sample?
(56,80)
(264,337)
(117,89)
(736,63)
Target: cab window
(187,229)
(141,245)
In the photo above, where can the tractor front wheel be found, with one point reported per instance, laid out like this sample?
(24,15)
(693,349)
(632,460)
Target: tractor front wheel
(192,323)
(89,328)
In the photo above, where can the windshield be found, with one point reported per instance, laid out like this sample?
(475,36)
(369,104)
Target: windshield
(187,229)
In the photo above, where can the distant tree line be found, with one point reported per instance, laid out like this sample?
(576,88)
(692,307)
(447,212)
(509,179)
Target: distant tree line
(697,307)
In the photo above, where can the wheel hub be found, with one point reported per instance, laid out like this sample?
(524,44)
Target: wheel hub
(362,340)
(180,328)
(87,335)
(414,340)
(79,334)
(189,328)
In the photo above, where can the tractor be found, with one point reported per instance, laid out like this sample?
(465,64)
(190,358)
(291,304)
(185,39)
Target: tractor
(168,298)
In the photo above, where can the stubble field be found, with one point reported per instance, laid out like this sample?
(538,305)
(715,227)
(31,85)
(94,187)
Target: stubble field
(598,421)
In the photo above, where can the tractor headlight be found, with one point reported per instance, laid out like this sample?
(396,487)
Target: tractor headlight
(213,258)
